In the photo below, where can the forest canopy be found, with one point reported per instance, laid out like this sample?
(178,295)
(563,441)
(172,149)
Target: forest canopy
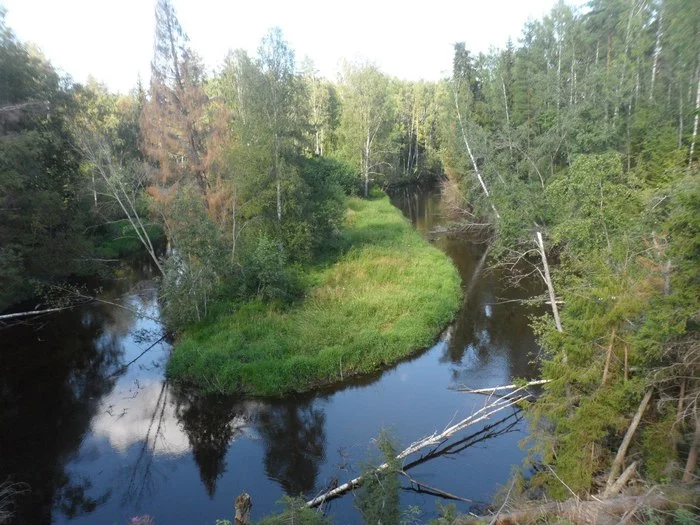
(574,149)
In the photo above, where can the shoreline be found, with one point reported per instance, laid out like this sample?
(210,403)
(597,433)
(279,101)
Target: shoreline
(387,298)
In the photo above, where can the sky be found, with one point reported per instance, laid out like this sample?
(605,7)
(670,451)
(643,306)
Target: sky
(113,40)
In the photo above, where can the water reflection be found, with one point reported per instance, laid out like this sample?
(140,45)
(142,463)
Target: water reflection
(100,435)
(490,331)
(141,411)
(211,423)
(52,377)
(295,444)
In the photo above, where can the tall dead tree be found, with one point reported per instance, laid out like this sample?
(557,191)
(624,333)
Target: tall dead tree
(173,118)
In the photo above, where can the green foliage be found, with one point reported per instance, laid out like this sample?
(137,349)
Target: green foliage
(295,512)
(591,203)
(194,272)
(266,272)
(378,497)
(383,299)
(447,514)
(43,216)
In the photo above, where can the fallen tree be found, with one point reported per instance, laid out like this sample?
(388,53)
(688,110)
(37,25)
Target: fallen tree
(494,389)
(435,439)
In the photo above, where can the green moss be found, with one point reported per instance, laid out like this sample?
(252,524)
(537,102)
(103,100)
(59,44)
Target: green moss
(386,297)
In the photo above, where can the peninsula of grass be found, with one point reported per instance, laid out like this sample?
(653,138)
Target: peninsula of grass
(388,296)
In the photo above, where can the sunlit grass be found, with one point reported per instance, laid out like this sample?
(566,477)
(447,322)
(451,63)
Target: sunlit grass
(386,297)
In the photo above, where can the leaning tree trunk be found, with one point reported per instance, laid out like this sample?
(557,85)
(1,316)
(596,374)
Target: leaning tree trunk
(622,451)
(471,157)
(548,282)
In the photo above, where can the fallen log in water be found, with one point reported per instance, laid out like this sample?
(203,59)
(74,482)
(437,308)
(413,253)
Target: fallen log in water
(495,389)
(434,439)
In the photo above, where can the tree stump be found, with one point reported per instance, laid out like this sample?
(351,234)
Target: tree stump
(243,506)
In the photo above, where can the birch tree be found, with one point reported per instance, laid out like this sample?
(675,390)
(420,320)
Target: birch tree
(365,120)
(278,91)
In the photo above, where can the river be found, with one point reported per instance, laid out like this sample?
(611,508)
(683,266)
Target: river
(90,425)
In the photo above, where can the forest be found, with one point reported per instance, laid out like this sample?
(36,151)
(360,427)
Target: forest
(257,191)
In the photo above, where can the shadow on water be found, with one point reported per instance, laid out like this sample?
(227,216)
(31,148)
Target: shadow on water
(99,435)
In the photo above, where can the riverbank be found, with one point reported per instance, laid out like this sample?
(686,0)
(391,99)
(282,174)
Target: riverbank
(389,295)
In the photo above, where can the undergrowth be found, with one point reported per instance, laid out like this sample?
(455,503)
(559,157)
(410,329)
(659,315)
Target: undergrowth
(387,296)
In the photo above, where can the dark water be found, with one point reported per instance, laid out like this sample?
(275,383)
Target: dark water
(89,424)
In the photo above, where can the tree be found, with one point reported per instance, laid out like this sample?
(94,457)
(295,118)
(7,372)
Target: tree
(173,125)
(365,120)
(279,90)
(43,215)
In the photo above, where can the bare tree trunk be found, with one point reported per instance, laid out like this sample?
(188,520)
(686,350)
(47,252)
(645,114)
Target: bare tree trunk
(233,226)
(681,399)
(691,464)
(695,120)
(471,156)
(657,52)
(558,79)
(548,282)
(99,155)
(94,189)
(609,356)
(622,451)
(430,441)
(680,115)
(620,483)
(33,312)
(277,176)
(505,102)
(365,168)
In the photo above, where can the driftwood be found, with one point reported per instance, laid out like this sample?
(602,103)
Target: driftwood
(432,440)
(598,511)
(495,389)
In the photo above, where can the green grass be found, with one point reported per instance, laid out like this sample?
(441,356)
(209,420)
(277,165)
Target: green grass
(389,295)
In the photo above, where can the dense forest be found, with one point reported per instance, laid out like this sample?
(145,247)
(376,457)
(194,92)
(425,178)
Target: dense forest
(574,151)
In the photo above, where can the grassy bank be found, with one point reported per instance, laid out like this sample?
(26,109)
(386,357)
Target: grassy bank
(387,296)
